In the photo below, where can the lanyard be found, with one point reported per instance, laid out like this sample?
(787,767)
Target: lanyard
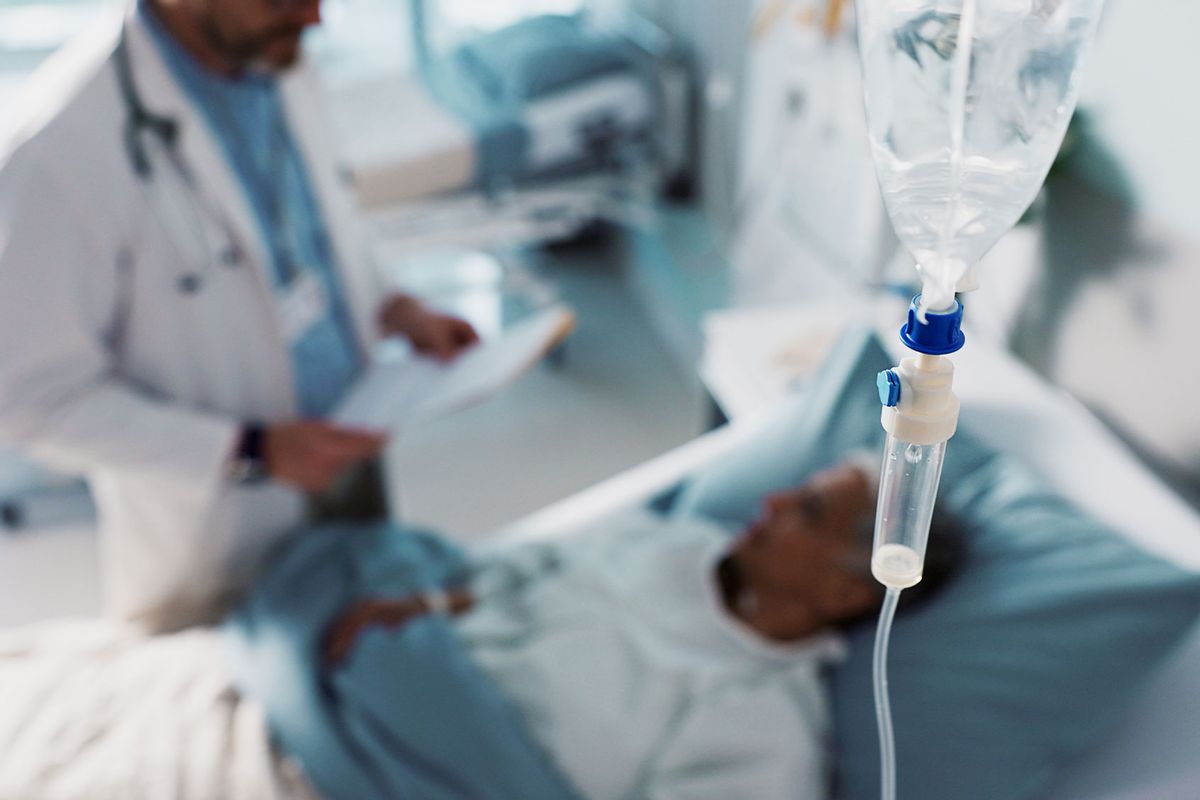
(307,295)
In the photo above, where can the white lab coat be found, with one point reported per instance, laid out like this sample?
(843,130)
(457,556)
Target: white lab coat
(106,367)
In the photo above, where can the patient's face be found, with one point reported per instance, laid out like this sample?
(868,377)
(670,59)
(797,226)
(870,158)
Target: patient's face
(808,554)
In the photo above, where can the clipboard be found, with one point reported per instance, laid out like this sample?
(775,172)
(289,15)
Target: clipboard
(396,393)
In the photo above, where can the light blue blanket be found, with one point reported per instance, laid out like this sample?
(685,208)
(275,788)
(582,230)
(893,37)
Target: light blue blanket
(409,715)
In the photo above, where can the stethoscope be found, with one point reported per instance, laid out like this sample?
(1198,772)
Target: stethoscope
(140,123)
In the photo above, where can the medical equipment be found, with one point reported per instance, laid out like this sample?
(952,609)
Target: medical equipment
(920,414)
(529,132)
(967,103)
(33,497)
(163,131)
(887,736)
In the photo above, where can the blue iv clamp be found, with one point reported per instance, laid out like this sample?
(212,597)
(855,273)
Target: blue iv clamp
(941,333)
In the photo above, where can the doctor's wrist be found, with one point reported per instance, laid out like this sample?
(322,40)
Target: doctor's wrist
(399,314)
(248,466)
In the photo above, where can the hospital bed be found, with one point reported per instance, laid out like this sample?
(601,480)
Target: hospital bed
(1150,753)
(524,133)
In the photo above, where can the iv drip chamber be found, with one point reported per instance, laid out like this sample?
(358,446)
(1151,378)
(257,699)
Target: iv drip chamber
(920,414)
(907,491)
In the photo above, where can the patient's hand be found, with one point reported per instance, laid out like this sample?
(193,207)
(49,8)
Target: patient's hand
(386,612)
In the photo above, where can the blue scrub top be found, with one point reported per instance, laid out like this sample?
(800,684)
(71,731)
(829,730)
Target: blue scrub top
(246,115)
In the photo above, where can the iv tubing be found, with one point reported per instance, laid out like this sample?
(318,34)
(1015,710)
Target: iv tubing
(883,706)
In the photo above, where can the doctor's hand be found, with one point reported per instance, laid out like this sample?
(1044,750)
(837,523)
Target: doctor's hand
(311,455)
(432,333)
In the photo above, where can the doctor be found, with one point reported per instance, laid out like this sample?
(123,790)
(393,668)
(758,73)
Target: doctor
(183,297)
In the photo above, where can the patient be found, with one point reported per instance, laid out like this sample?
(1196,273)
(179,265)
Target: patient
(661,658)
(651,659)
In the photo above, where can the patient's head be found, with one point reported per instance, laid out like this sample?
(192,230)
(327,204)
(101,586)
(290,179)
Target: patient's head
(804,565)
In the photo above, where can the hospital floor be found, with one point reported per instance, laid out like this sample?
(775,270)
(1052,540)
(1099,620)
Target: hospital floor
(614,397)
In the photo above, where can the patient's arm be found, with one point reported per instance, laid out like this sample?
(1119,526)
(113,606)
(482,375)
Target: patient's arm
(386,612)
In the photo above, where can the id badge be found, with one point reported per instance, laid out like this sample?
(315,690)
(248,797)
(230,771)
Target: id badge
(304,304)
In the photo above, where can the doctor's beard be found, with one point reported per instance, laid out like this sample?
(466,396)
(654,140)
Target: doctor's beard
(274,50)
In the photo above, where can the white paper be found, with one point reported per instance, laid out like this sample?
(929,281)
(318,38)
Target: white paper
(397,393)
(304,303)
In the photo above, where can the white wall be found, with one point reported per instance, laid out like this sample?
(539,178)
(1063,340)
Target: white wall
(717,33)
(1141,85)
(1114,320)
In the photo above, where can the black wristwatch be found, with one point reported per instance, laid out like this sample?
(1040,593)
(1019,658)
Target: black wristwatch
(249,465)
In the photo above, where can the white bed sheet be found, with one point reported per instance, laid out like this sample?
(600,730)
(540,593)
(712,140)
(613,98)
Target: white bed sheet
(91,710)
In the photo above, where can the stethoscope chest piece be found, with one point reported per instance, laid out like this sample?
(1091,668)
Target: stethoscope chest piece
(141,121)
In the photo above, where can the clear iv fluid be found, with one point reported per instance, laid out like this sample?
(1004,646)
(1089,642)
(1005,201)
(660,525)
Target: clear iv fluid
(967,104)
(989,199)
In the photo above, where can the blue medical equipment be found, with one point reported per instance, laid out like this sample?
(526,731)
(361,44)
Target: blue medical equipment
(494,81)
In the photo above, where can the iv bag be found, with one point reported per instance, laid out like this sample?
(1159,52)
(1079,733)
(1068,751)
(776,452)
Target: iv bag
(967,104)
